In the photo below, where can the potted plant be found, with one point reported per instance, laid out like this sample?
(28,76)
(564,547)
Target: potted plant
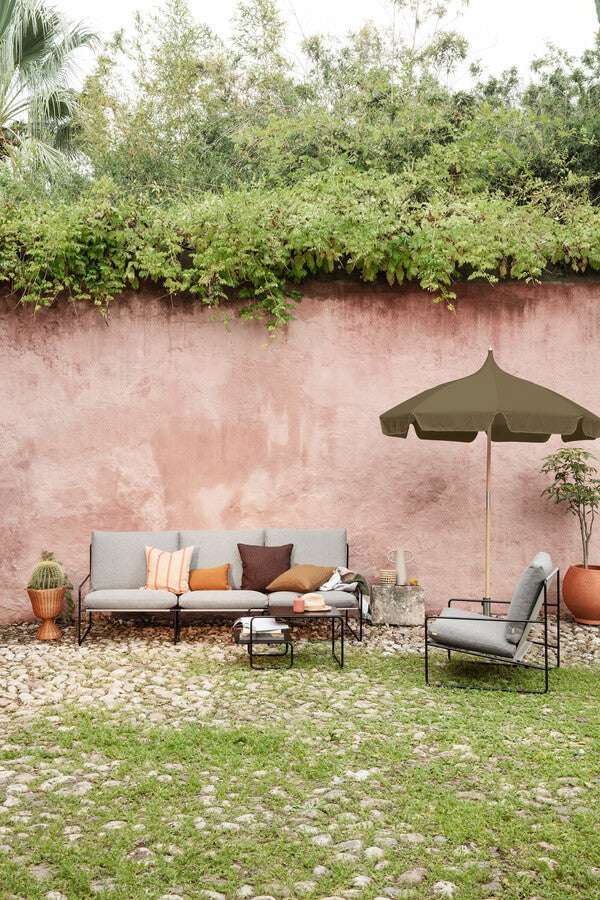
(46,588)
(575,484)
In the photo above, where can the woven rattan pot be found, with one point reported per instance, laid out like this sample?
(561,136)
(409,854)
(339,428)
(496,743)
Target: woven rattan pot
(387,576)
(46,605)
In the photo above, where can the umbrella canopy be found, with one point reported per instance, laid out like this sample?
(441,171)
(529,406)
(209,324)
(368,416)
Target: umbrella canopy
(515,409)
(505,407)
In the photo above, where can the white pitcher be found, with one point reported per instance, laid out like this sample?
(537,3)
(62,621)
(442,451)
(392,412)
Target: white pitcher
(400,561)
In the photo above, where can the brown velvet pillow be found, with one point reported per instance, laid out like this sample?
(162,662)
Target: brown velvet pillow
(261,565)
(303,578)
(216,579)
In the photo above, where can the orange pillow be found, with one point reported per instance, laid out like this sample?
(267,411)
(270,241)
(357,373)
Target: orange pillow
(303,578)
(168,571)
(216,579)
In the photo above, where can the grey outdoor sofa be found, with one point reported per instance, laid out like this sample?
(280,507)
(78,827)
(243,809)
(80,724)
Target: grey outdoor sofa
(118,571)
(505,639)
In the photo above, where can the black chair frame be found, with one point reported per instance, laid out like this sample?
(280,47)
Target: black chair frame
(500,660)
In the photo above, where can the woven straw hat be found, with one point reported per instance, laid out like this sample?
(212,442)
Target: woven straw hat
(315,603)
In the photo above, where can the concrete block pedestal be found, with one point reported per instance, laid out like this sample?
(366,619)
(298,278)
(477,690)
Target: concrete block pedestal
(397,604)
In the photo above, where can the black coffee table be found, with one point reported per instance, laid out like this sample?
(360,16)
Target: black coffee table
(257,638)
(332,615)
(284,639)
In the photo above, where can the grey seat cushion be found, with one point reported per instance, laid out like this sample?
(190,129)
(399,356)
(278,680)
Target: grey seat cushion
(130,599)
(484,635)
(317,546)
(118,558)
(526,594)
(340,599)
(226,601)
(216,548)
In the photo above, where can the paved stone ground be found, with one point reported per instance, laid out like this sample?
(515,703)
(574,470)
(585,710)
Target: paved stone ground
(120,661)
(357,845)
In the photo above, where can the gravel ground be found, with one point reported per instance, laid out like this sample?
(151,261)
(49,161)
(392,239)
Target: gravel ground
(119,660)
(366,815)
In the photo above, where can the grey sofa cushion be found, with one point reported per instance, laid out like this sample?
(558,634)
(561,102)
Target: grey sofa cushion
(215,548)
(341,599)
(129,599)
(118,558)
(318,546)
(526,593)
(215,601)
(484,635)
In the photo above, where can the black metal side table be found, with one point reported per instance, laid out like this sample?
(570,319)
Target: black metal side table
(332,615)
(254,638)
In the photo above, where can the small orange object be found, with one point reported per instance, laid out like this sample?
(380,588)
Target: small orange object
(413,581)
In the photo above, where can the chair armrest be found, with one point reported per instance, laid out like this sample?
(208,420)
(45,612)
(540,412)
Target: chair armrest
(465,600)
(478,619)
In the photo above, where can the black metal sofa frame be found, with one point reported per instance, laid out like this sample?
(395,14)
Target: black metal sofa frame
(84,628)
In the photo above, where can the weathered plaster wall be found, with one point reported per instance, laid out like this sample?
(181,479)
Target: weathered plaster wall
(164,420)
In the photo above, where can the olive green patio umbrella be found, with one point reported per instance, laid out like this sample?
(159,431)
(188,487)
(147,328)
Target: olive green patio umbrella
(505,407)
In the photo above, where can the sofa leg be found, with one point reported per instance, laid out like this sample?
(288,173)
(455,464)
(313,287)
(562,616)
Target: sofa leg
(81,637)
(357,636)
(176,631)
(360,613)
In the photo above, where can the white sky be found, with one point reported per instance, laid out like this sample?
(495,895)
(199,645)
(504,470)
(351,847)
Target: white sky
(501,34)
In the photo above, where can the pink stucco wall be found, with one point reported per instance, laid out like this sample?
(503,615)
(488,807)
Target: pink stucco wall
(166,420)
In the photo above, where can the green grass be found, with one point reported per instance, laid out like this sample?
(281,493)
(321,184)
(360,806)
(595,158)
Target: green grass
(482,772)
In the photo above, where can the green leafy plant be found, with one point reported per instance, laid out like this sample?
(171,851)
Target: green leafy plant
(223,169)
(257,245)
(576,485)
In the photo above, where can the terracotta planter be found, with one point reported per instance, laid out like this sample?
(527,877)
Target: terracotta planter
(46,605)
(581,593)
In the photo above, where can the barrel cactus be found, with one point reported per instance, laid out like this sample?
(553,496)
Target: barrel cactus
(47,574)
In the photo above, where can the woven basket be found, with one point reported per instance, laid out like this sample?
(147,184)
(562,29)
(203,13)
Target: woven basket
(387,576)
(46,605)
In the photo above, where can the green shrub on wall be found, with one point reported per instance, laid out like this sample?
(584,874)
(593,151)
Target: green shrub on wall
(263,243)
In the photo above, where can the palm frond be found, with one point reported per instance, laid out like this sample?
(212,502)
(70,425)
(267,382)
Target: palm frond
(58,104)
(34,153)
(37,60)
(59,65)
(7,10)
(14,99)
(31,35)
(63,137)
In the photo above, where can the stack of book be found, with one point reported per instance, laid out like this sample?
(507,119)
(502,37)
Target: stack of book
(262,627)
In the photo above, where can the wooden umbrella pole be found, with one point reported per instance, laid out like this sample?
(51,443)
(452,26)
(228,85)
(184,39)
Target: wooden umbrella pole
(488,513)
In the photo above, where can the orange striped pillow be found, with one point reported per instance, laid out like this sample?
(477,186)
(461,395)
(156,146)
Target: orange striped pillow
(168,571)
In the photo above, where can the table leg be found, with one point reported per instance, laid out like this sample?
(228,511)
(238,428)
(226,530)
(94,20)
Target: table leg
(253,655)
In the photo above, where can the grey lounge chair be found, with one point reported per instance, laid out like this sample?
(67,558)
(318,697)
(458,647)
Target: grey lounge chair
(501,639)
